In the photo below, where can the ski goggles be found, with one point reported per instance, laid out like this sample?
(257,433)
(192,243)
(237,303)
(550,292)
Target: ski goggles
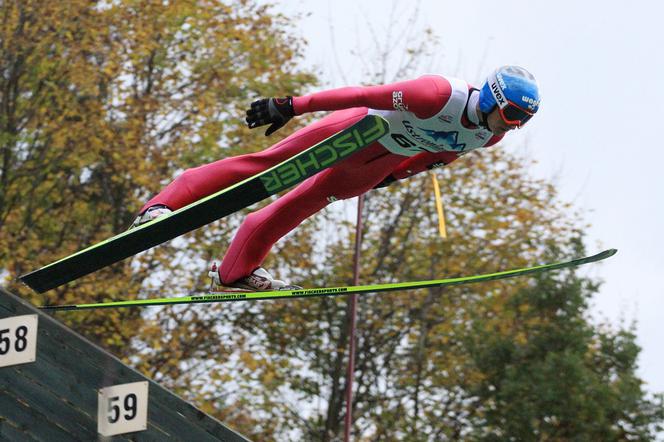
(510,112)
(514,115)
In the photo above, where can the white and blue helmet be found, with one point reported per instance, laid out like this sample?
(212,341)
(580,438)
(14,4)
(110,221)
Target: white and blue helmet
(514,90)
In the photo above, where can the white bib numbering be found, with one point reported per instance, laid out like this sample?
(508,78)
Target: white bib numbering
(410,135)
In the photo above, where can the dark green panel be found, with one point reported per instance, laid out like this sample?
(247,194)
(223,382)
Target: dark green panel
(55,398)
(9,432)
(24,416)
(47,403)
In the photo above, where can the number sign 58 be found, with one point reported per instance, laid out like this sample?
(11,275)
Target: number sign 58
(18,340)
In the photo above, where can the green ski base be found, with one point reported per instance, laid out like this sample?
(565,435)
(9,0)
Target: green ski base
(335,291)
(218,205)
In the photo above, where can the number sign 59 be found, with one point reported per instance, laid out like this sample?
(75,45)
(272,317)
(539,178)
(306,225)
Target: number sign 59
(122,409)
(18,340)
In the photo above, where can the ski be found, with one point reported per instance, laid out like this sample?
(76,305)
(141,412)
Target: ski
(334,291)
(218,205)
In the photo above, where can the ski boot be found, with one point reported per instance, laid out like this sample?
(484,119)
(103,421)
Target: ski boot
(151,214)
(259,280)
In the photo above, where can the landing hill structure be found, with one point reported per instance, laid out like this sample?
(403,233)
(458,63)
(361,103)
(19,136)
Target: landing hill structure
(57,397)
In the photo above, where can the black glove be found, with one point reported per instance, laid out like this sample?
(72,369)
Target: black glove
(386,182)
(275,111)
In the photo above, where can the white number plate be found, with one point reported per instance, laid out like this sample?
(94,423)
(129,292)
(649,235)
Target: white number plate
(18,340)
(122,409)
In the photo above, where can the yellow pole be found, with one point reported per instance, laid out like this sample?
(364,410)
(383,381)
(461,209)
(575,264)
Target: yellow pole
(439,207)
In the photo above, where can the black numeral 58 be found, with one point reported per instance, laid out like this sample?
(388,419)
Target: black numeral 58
(20,342)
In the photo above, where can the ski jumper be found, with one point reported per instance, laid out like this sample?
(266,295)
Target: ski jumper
(431,124)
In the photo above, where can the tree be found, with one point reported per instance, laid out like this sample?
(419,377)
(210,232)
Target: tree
(550,375)
(101,103)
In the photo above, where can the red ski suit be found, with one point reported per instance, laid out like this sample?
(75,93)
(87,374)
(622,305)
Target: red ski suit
(424,97)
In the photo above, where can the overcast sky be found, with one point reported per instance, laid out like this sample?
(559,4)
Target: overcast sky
(601,70)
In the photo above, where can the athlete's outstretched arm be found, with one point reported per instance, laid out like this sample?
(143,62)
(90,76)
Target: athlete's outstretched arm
(424,97)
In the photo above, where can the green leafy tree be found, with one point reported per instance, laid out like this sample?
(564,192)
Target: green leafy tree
(551,375)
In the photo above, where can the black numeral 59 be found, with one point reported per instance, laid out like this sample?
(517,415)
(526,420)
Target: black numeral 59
(130,408)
